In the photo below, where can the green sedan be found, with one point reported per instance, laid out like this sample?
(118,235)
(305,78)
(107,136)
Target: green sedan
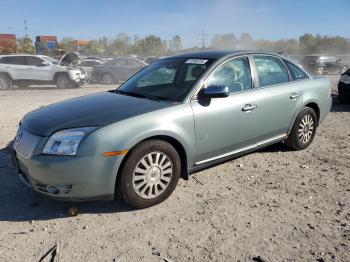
(176,116)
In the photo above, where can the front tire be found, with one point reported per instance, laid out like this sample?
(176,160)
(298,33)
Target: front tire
(304,130)
(63,82)
(108,79)
(5,82)
(149,175)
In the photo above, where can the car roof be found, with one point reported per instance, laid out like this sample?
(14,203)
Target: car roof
(218,54)
(19,55)
(210,54)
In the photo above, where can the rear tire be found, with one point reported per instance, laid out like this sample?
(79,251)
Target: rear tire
(63,82)
(304,130)
(5,82)
(149,175)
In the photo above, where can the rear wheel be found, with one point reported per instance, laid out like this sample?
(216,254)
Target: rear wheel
(108,79)
(5,82)
(304,130)
(63,82)
(150,174)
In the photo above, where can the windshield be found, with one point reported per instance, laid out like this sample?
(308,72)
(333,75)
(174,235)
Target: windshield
(168,79)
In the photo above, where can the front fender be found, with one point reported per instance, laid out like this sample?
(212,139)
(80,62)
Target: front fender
(175,122)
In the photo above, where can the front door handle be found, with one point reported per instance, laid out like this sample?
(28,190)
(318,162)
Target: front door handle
(294,95)
(249,107)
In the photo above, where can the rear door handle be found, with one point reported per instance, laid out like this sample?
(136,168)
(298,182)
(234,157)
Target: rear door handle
(249,107)
(294,95)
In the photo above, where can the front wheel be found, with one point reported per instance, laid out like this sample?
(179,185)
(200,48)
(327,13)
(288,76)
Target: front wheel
(108,79)
(63,82)
(304,130)
(5,82)
(150,174)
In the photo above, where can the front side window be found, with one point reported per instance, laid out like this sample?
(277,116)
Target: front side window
(270,70)
(296,72)
(34,61)
(17,60)
(168,79)
(235,74)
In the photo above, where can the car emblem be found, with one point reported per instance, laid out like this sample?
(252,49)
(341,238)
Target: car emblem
(18,137)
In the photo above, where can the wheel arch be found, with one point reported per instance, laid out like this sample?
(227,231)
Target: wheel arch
(316,108)
(172,141)
(7,74)
(312,104)
(57,74)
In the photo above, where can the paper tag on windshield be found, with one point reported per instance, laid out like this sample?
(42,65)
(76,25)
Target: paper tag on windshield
(196,61)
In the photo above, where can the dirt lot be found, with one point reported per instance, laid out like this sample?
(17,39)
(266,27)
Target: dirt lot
(272,205)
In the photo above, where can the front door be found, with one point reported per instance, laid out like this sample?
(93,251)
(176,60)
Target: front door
(224,126)
(37,69)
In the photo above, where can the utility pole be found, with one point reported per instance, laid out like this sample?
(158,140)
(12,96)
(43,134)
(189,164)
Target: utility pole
(203,39)
(26,27)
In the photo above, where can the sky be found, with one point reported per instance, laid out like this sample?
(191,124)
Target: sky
(90,19)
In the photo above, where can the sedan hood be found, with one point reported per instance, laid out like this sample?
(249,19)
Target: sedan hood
(93,110)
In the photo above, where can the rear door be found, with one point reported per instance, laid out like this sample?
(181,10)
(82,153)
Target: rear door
(278,98)
(17,67)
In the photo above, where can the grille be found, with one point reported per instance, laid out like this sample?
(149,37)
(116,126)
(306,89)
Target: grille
(25,143)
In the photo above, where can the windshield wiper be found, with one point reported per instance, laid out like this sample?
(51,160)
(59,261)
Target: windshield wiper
(128,93)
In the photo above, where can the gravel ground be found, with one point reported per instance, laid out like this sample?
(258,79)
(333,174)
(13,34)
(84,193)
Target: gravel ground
(272,205)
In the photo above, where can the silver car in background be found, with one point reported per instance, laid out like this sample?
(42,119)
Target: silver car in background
(174,117)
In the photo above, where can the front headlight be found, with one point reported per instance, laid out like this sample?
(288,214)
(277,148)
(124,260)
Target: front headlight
(345,79)
(66,142)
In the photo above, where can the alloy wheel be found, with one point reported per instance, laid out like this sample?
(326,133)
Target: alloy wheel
(306,129)
(63,82)
(5,83)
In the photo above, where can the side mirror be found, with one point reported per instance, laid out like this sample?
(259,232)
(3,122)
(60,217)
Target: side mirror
(44,63)
(215,91)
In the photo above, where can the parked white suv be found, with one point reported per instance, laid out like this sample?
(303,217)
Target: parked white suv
(24,70)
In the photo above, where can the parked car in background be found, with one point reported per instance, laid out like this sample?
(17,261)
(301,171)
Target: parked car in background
(87,65)
(344,87)
(118,69)
(323,64)
(24,70)
(137,141)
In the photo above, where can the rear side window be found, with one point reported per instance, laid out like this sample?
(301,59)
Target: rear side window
(270,70)
(17,60)
(296,72)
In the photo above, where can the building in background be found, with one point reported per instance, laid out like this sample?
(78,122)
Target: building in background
(8,43)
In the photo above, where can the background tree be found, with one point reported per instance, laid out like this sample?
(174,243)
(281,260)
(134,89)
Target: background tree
(176,43)
(68,44)
(246,41)
(25,45)
(226,41)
